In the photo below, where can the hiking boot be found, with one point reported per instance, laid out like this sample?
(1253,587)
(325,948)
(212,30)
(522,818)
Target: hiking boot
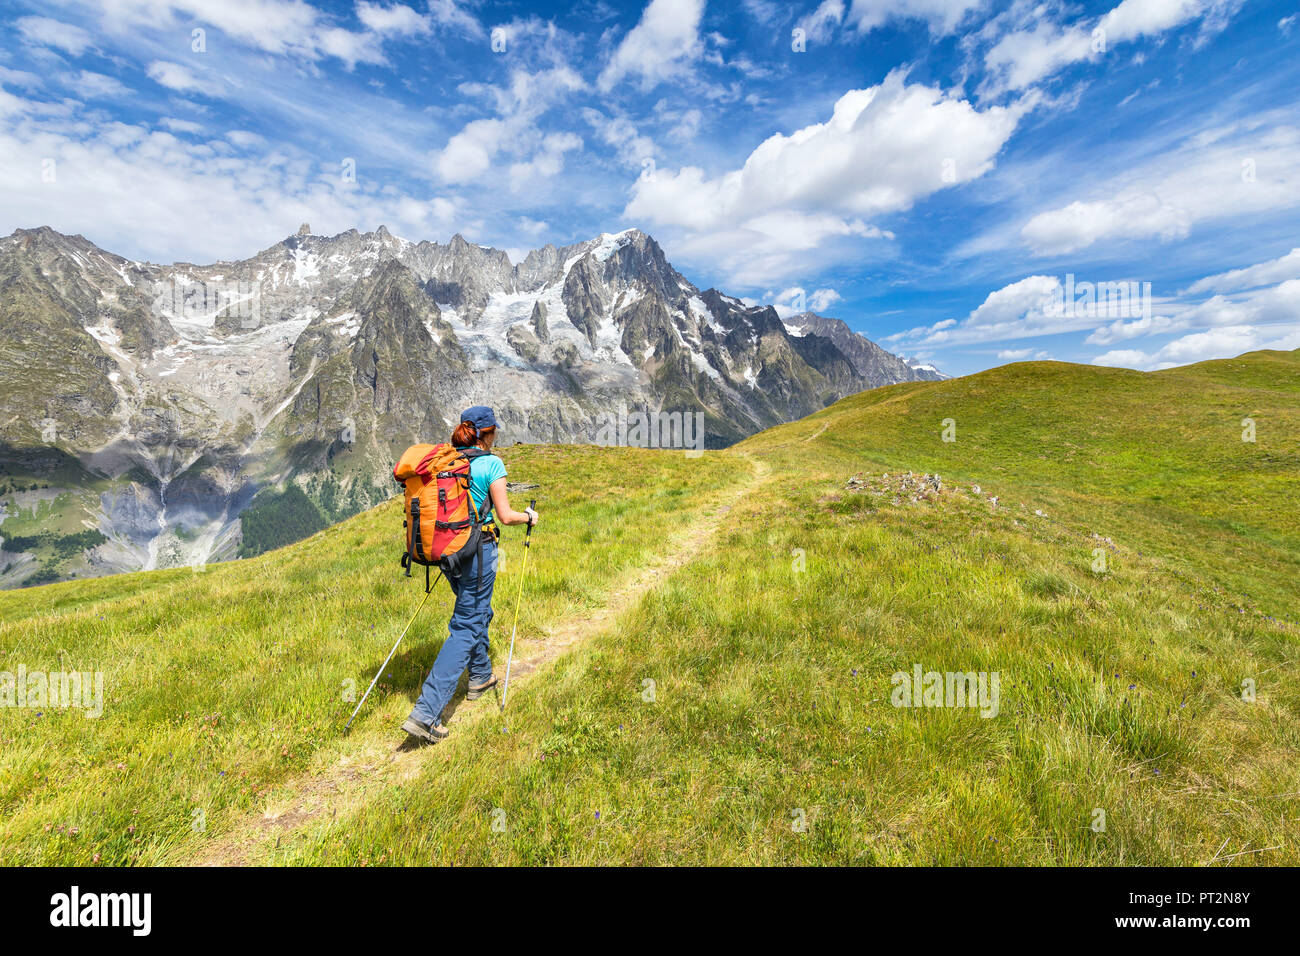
(475,691)
(422,731)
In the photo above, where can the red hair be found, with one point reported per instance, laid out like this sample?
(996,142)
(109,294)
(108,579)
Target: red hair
(465,436)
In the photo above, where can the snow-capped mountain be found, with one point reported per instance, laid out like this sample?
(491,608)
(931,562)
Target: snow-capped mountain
(144,408)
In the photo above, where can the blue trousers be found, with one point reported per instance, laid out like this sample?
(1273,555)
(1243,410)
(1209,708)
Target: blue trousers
(467,637)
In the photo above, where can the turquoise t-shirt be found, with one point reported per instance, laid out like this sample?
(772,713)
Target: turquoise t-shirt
(484,470)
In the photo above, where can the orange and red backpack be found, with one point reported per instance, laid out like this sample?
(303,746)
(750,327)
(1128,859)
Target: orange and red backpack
(443,528)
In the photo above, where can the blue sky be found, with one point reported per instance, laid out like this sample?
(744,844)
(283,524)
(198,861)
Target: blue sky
(932,171)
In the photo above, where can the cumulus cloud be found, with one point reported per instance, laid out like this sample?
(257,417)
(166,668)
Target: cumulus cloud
(1024,309)
(1254,307)
(823,299)
(883,149)
(1251,172)
(1121,329)
(1080,224)
(659,47)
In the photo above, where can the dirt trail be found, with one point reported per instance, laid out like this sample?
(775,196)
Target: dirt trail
(375,763)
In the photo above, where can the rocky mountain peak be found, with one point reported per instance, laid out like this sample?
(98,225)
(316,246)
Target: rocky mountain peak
(178,395)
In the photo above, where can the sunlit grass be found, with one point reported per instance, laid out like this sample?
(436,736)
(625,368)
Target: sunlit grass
(770,736)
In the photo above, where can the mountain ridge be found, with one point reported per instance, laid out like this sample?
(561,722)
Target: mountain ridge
(178,393)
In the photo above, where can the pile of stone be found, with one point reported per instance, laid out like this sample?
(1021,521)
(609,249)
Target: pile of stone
(908,486)
(913,487)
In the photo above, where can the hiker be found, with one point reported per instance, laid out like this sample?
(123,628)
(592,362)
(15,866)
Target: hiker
(467,638)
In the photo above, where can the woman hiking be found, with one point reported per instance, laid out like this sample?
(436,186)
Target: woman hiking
(467,637)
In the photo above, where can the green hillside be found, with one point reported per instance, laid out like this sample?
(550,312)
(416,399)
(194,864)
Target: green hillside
(707,653)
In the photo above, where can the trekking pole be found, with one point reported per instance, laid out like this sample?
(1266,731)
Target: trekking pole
(505,691)
(428,590)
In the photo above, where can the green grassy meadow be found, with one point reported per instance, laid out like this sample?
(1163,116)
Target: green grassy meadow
(1133,588)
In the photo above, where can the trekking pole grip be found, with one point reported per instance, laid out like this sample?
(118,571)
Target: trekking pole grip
(529,533)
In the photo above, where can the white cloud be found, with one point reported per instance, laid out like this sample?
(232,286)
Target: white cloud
(942,16)
(1080,224)
(659,47)
(146,193)
(1252,277)
(1022,355)
(180,125)
(245,139)
(1255,173)
(632,147)
(883,149)
(514,132)
(96,85)
(1123,358)
(546,162)
(396,20)
(796,299)
(1218,343)
(1040,47)
(1123,329)
(448,13)
(774,246)
(531,227)
(285,27)
(174,76)
(1023,309)
(469,153)
(819,26)
(42,31)
(686,124)
(823,299)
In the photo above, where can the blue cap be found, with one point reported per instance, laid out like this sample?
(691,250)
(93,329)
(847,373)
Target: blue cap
(480,416)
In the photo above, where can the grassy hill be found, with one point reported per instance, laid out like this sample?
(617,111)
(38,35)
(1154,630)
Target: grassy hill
(708,649)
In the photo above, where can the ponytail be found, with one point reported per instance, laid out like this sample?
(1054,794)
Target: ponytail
(465,435)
